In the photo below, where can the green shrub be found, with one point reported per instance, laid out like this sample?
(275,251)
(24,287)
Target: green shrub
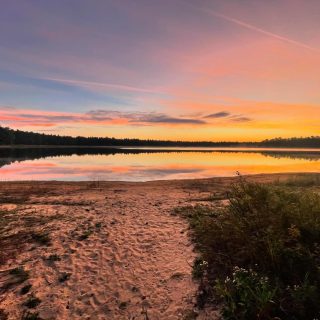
(199,268)
(269,231)
(246,295)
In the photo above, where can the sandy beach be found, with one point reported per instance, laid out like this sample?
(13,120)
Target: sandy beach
(100,250)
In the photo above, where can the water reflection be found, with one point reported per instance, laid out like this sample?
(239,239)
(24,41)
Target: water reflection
(149,164)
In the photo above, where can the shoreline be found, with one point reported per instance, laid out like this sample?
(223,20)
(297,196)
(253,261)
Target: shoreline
(259,177)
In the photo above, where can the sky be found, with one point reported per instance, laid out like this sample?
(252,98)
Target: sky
(212,70)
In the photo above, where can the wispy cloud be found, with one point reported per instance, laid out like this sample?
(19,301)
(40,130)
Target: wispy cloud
(228,116)
(221,114)
(16,117)
(104,85)
(241,119)
(100,117)
(142,117)
(260,30)
(162,118)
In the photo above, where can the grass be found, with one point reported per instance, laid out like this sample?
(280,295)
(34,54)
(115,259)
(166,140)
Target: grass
(259,256)
(190,315)
(177,276)
(310,180)
(35,219)
(30,316)
(25,289)
(211,197)
(3,315)
(123,305)
(85,235)
(98,225)
(53,258)
(21,193)
(64,276)
(19,273)
(41,237)
(17,230)
(32,302)
(12,278)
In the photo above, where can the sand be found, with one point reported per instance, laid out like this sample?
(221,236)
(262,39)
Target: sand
(114,250)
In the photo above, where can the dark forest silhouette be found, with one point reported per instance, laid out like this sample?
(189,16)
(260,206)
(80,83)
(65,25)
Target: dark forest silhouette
(12,137)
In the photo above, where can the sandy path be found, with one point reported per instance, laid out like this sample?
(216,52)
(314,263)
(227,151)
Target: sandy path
(134,263)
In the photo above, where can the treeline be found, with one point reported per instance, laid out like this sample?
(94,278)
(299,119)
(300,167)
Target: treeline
(307,142)
(17,137)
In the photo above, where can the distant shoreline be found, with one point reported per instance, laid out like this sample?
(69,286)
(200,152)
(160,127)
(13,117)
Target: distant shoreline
(164,148)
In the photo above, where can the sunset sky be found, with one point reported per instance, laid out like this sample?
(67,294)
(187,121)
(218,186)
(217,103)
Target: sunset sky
(161,69)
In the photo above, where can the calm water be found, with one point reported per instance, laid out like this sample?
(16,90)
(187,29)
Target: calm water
(75,164)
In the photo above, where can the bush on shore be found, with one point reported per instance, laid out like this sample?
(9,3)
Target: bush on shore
(259,256)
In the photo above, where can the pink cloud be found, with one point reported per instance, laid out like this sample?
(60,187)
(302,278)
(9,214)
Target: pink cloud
(37,118)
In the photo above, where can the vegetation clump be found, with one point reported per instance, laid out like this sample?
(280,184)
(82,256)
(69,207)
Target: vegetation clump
(53,258)
(307,181)
(42,238)
(259,256)
(30,316)
(123,305)
(3,315)
(85,235)
(25,289)
(32,302)
(20,274)
(12,278)
(64,277)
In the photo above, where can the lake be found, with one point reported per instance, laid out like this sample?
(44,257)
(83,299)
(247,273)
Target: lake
(142,164)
